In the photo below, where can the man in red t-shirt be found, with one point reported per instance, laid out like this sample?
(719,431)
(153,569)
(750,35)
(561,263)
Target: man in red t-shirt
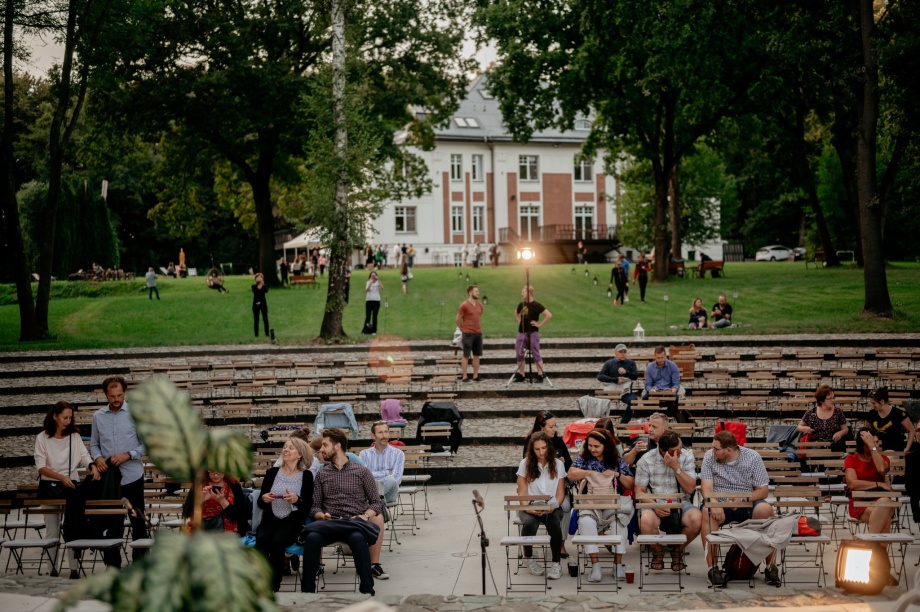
(468,320)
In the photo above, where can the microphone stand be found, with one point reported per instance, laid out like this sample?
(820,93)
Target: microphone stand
(483,543)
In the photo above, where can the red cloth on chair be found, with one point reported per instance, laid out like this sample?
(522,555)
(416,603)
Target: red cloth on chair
(577,431)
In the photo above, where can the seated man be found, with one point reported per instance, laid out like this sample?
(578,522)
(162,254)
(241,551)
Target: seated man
(346,508)
(384,461)
(729,468)
(657,425)
(618,375)
(663,376)
(669,471)
(721,315)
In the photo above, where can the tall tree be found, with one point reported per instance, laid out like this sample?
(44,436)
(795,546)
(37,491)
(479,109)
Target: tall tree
(232,77)
(656,77)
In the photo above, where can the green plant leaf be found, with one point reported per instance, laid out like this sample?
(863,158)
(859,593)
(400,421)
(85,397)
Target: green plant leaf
(170,428)
(205,572)
(229,452)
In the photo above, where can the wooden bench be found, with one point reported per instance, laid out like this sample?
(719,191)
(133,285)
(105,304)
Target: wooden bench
(816,257)
(304,279)
(676,268)
(714,267)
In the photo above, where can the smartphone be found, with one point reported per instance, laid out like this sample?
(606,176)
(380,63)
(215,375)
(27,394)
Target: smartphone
(216,488)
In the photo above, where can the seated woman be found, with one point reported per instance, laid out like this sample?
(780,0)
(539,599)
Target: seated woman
(698,315)
(216,282)
(541,473)
(825,422)
(867,470)
(608,424)
(546,422)
(170,269)
(888,423)
(600,456)
(287,494)
(223,505)
(59,453)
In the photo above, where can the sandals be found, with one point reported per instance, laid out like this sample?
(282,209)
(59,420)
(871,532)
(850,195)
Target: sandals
(657,562)
(677,563)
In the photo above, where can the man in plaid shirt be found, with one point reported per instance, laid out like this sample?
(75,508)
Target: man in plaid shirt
(669,471)
(729,468)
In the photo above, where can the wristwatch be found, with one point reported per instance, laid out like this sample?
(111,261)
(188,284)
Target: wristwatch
(366,517)
(874,448)
(679,471)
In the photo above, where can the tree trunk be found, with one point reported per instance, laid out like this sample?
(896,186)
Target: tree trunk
(8,204)
(877,299)
(845,147)
(662,253)
(57,145)
(262,198)
(332,328)
(807,178)
(674,201)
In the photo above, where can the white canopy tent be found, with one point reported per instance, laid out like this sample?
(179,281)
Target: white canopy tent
(304,241)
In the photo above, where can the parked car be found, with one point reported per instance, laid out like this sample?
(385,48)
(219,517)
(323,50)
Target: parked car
(800,253)
(773,253)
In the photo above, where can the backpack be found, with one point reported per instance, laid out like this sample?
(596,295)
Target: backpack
(737,565)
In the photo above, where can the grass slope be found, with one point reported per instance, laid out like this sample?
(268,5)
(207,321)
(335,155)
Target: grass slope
(773,298)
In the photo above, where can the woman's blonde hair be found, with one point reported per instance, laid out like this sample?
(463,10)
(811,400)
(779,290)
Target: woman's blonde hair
(306,453)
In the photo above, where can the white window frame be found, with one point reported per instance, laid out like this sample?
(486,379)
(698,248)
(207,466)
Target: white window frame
(584,170)
(479,219)
(456,167)
(456,219)
(476,168)
(407,215)
(529,168)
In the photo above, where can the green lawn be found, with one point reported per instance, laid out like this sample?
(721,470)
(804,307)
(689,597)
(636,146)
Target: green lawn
(772,298)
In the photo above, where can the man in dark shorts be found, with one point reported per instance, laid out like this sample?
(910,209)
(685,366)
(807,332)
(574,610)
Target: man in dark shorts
(669,471)
(528,315)
(729,468)
(469,315)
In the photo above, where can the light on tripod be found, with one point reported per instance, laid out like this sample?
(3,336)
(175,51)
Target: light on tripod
(526,254)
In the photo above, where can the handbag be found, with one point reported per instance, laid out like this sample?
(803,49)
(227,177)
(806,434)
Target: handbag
(213,523)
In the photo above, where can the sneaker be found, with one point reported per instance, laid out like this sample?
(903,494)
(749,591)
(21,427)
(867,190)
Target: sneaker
(476,379)
(539,378)
(465,380)
(74,575)
(621,571)
(716,577)
(379,572)
(595,575)
(536,568)
(772,575)
(555,572)
(626,299)
(518,377)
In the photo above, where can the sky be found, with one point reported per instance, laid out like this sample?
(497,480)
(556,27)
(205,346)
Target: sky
(44,53)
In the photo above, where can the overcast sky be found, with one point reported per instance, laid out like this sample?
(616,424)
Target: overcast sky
(45,52)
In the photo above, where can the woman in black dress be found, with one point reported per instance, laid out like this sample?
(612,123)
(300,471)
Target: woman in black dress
(259,305)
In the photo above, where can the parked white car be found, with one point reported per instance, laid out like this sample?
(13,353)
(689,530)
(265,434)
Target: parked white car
(773,253)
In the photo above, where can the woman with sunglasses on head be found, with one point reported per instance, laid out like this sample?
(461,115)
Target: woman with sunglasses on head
(546,422)
(889,424)
(600,455)
(542,473)
(867,470)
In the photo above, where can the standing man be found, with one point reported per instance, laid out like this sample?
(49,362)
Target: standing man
(729,468)
(151,278)
(722,313)
(669,471)
(618,374)
(625,277)
(527,314)
(284,269)
(346,508)
(469,316)
(114,445)
(384,461)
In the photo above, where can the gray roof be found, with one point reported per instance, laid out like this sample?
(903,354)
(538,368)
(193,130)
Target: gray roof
(487,123)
